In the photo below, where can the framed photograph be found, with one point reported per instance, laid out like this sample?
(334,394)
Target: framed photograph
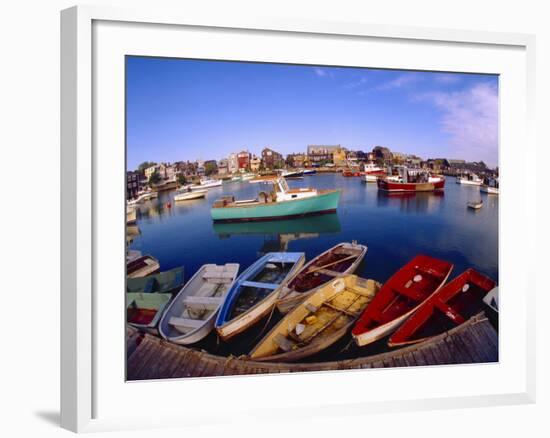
(254,210)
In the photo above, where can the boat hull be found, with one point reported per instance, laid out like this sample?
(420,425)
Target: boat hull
(394,186)
(290,298)
(191,195)
(489,190)
(323,203)
(228,328)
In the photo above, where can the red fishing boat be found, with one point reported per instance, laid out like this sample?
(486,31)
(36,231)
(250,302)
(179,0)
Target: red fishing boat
(452,305)
(400,296)
(411,180)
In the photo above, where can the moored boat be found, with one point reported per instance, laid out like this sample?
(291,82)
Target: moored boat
(255,291)
(281,202)
(189,195)
(372,172)
(490,186)
(142,266)
(168,184)
(131,216)
(341,259)
(163,282)
(452,305)
(206,184)
(296,174)
(309,171)
(192,313)
(475,205)
(318,322)
(411,180)
(470,179)
(143,311)
(349,172)
(400,296)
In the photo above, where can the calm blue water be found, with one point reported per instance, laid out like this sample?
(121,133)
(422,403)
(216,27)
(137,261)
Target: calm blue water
(395,228)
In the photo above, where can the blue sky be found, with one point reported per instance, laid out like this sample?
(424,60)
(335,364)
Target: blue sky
(181,109)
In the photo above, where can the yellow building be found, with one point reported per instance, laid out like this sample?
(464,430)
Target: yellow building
(339,157)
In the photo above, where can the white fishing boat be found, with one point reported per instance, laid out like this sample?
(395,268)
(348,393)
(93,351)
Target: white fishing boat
(191,315)
(490,187)
(371,172)
(193,194)
(207,184)
(247,176)
(470,179)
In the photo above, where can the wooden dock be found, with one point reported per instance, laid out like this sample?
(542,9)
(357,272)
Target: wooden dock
(149,357)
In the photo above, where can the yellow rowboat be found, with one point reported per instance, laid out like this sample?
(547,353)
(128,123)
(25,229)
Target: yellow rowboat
(318,322)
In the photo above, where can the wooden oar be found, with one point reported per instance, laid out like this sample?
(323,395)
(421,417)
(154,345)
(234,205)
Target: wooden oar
(331,263)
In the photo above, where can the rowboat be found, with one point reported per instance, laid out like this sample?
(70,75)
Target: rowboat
(491,299)
(254,293)
(400,296)
(143,311)
(475,205)
(142,266)
(341,259)
(187,196)
(191,315)
(281,202)
(452,305)
(318,322)
(164,282)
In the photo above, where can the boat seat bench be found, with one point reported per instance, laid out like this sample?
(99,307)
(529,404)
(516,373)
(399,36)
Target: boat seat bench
(451,313)
(210,303)
(409,293)
(259,285)
(185,322)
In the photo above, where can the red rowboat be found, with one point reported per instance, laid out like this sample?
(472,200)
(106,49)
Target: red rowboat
(452,305)
(399,297)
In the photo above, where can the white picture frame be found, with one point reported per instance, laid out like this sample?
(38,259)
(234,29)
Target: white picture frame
(81,223)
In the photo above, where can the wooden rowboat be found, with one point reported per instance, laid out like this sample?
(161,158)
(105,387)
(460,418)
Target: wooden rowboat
(321,320)
(341,259)
(191,315)
(452,305)
(142,266)
(400,296)
(254,293)
(164,282)
(143,311)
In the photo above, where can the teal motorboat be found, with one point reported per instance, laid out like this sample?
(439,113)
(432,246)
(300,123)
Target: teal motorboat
(281,202)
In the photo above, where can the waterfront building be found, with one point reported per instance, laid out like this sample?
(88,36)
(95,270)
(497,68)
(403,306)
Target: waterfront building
(223,166)
(339,157)
(210,167)
(133,184)
(297,161)
(321,154)
(243,160)
(255,163)
(233,163)
(272,159)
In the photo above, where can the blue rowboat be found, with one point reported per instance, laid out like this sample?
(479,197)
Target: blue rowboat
(255,292)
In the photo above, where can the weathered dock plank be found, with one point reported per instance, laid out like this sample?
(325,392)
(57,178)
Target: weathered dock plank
(473,342)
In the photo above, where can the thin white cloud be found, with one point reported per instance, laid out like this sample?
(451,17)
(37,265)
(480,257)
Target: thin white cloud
(400,81)
(320,72)
(470,118)
(446,78)
(357,84)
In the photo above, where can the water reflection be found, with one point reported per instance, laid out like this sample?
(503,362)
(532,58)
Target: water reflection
(411,202)
(278,234)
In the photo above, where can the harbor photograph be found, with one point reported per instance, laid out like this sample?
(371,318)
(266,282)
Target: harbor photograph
(292,218)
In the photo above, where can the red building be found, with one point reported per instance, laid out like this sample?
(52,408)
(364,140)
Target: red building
(243,159)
